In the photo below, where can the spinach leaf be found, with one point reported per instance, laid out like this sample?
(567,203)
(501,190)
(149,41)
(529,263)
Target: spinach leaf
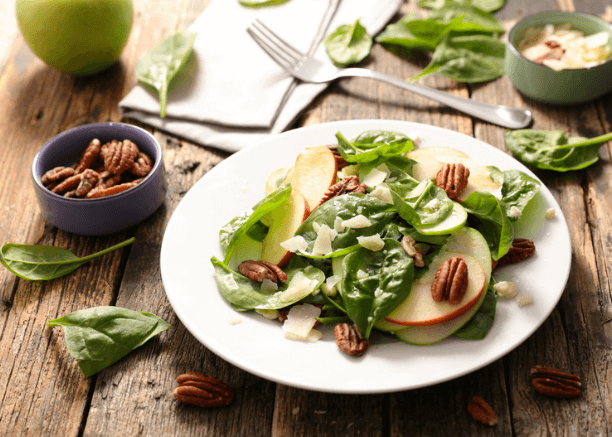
(41,263)
(260,3)
(345,207)
(158,66)
(469,59)
(481,323)
(244,294)
(374,283)
(420,203)
(467,19)
(488,215)
(551,150)
(372,145)
(348,44)
(485,5)
(100,336)
(230,234)
(414,34)
(517,190)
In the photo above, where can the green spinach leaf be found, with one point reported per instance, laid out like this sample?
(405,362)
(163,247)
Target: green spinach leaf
(517,190)
(374,283)
(159,66)
(260,3)
(490,219)
(412,33)
(372,145)
(551,150)
(469,59)
(41,263)
(481,323)
(244,294)
(348,44)
(467,19)
(485,5)
(420,203)
(100,336)
(345,207)
(231,233)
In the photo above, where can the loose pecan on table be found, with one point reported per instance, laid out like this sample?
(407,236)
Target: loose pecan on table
(451,281)
(261,270)
(521,249)
(349,339)
(452,178)
(481,411)
(554,382)
(204,391)
(348,184)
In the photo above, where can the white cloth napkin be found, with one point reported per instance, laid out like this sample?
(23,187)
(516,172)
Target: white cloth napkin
(230,94)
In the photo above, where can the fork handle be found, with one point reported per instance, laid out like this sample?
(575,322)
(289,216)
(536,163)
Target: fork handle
(506,116)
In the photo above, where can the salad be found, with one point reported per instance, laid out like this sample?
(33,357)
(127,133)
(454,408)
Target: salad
(373,234)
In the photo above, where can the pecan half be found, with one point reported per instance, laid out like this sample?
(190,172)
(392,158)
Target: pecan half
(89,156)
(204,391)
(348,184)
(554,382)
(481,411)
(452,178)
(102,191)
(120,156)
(349,339)
(340,161)
(451,281)
(56,174)
(521,248)
(261,270)
(142,165)
(408,244)
(67,184)
(89,179)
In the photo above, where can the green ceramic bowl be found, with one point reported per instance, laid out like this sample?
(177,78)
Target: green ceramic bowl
(564,87)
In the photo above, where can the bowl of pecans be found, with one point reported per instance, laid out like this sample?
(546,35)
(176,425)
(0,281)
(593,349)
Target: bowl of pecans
(99,178)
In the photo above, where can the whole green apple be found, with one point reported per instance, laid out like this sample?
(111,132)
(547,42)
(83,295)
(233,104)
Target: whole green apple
(80,37)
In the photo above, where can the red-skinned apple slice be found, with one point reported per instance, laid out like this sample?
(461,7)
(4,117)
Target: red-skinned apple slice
(419,308)
(284,221)
(314,171)
(431,159)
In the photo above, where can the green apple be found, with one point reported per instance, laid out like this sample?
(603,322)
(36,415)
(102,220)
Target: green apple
(455,221)
(80,37)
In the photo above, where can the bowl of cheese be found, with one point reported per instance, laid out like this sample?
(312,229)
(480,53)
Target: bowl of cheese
(560,57)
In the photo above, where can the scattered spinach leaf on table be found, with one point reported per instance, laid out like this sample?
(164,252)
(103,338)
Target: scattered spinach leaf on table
(98,337)
(467,19)
(348,44)
(41,263)
(552,150)
(260,3)
(412,33)
(485,5)
(468,59)
(159,66)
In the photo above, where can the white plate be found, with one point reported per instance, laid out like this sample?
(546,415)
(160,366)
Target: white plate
(258,346)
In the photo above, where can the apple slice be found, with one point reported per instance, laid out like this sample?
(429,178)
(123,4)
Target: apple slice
(467,240)
(431,159)
(455,221)
(275,179)
(314,171)
(284,221)
(419,308)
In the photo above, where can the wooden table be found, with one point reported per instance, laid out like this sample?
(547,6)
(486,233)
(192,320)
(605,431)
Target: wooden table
(42,390)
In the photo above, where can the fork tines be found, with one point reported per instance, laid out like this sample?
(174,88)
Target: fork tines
(283,53)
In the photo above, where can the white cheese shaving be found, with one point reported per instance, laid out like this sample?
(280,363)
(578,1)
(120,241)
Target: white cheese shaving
(515,212)
(361,274)
(295,244)
(299,287)
(322,244)
(432,206)
(234,318)
(357,222)
(372,242)
(300,321)
(506,290)
(376,176)
(338,224)
(268,314)
(550,214)
(524,300)
(382,192)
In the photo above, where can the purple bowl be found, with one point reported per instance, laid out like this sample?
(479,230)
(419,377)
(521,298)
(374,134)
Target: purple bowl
(104,215)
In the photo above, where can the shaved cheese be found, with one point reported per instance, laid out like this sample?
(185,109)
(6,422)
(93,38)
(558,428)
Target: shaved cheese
(322,244)
(295,244)
(372,242)
(357,222)
(382,192)
(300,321)
(299,287)
(376,176)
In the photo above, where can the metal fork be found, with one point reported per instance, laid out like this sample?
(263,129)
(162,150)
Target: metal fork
(308,69)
